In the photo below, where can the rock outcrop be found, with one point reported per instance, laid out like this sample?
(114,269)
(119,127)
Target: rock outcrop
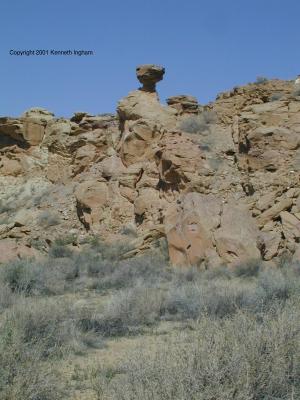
(220,182)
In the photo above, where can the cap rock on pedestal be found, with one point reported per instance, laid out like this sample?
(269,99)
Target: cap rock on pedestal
(149,75)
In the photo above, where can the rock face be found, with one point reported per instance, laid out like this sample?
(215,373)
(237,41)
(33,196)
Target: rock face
(201,229)
(184,104)
(220,182)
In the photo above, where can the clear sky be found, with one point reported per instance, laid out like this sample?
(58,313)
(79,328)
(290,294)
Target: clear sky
(206,47)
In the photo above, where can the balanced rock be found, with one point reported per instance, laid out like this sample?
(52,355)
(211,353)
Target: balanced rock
(149,75)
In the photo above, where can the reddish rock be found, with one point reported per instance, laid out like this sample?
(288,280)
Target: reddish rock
(224,192)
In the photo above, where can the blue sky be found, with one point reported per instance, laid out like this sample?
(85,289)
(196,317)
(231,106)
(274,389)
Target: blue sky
(206,47)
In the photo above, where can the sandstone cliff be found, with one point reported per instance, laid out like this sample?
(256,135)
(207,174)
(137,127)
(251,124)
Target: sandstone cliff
(220,182)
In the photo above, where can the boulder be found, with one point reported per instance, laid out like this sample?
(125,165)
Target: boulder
(237,239)
(10,249)
(10,167)
(39,114)
(274,211)
(92,197)
(145,105)
(189,225)
(290,226)
(34,123)
(201,231)
(180,162)
(184,104)
(101,207)
(139,141)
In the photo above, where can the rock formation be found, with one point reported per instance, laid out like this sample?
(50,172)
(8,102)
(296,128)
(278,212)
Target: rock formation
(220,182)
(149,75)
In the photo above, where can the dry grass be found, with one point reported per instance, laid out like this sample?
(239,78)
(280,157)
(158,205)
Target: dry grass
(242,357)
(239,329)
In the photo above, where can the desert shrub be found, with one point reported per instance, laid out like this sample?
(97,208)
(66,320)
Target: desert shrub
(22,276)
(218,294)
(205,147)
(59,274)
(24,376)
(29,277)
(99,268)
(127,312)
(5,206)
(39,244)
(100,257)
(41,196)
(32,334)
(4,220)
(237,358)
(66,239)
(215,163)
(117,274)
(48,218)
(7,297)
(194,300)
(200,123)
(187,274)
(295,269)
(260,80)
(128,230)
(48,324)
(161,250)
(276,96)
(146,269)
(184,302)
(111,251)
(221,272)
(278,284)
(247,269)
(60,251)
(130,310)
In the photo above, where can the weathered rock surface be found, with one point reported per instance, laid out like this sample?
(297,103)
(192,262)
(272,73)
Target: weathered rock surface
(149,75)
(10,249)
(224,192)
(184,104)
